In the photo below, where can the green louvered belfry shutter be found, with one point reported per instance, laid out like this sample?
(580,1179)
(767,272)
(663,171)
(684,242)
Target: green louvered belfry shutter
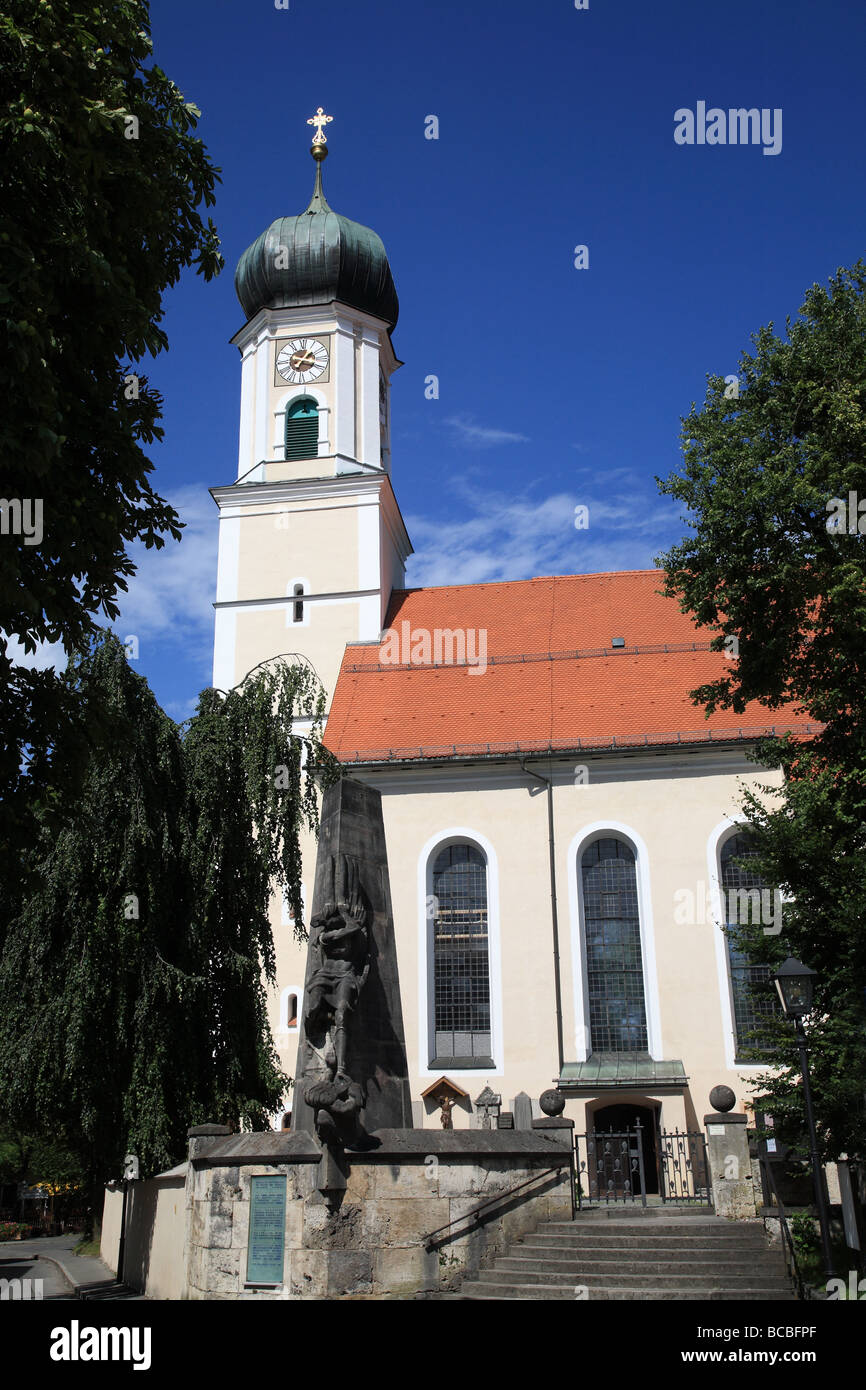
(302,429)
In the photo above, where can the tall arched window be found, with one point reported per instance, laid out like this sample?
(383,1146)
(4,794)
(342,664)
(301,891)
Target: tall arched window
(302,429)
(298,605)
(614,965)
(744,897)
(461,958)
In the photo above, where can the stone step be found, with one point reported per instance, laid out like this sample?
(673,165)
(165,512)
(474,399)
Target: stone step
(486,1290)
(681,1241)
(633,1211)
(725,1259)
(626,1222)
(748,1248)
(673,1255)
(692,1269)
(717,1229)
(756,1278)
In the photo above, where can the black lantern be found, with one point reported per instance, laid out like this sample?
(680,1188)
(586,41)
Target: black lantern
(795,983)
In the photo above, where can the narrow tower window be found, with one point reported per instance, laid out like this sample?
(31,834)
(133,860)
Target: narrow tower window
(302,429)
(298,605)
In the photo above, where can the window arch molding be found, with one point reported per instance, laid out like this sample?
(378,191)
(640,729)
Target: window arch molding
(720,835)
(281,409)
(426,859)
(601,830)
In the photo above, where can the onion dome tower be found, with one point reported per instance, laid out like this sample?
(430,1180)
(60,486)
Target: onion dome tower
(311,537)
(325,257)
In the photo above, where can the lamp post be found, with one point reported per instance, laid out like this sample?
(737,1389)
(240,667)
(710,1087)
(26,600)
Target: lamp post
(795,983)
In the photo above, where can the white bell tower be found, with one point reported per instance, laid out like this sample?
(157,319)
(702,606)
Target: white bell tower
(311,540)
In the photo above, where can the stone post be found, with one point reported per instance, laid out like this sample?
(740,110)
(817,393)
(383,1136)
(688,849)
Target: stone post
(729,1159)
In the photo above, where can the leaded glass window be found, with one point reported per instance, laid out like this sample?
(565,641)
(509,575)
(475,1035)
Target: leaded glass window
(461,958)
(614,965)
(754,996)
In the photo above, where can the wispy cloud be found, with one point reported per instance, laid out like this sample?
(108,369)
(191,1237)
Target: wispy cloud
(180,710)
(46,654)
(482,436)
(515,537)
(170,598)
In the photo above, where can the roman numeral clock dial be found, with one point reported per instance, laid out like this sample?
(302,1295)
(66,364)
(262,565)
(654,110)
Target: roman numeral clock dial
(301,360)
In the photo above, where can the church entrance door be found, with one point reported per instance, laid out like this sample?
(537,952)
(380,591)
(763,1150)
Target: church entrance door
(639,1125)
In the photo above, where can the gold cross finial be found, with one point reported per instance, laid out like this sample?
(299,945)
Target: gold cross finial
(320,120)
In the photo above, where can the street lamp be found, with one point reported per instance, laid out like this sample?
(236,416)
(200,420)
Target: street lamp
(796,985)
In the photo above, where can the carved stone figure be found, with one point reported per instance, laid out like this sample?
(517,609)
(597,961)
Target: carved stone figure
(339,966)
(351,1078)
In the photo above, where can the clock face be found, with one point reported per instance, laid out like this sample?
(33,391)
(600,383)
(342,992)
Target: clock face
(302,359)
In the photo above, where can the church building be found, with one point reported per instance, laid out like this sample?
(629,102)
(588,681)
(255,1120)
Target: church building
(563,825)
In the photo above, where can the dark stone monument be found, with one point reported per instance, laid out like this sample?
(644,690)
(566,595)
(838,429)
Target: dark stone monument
(351,1076)
(488,1105)
(522,1111)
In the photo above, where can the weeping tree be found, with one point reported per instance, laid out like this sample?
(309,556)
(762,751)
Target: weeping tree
(104,191)
(138,947)
(774,482)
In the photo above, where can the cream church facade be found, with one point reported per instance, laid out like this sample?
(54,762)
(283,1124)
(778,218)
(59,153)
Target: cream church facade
(561,822)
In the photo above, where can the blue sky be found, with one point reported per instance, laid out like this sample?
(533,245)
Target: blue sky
(558,386)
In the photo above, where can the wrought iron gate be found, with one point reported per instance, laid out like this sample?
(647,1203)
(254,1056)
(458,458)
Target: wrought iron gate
(610,1167)
(684,1173)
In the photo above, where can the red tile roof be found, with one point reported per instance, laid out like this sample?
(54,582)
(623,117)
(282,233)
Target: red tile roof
(552,679)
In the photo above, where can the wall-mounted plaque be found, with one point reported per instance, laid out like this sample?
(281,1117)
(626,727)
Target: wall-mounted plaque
(267,1238)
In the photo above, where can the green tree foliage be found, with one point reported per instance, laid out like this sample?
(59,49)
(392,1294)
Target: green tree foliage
(101,179)
(132,995)
(38,1160)
(766,564)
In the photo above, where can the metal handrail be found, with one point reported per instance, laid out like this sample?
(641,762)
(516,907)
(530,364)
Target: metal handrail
(429,1239)
(786,1232)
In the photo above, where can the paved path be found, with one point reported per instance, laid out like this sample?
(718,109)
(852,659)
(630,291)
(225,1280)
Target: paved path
(18,1265)
(51,1258)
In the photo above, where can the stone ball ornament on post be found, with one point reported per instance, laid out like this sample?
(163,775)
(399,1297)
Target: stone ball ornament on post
(552,1103)
(795,983)
(722,1099)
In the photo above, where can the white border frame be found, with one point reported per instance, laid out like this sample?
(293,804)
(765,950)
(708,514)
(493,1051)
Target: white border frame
(453,835)
(599,830)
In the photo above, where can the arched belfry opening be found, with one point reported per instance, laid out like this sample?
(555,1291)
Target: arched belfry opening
(302,429)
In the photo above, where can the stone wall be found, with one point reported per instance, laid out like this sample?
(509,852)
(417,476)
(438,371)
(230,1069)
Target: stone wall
(156,1233)
(112,1216)
(156,1219)
(376,1238)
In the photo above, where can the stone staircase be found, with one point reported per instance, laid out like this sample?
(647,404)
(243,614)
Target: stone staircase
(644,1254)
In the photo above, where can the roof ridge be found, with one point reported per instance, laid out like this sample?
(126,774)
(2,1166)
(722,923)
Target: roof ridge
(480,748)
(536,578)
(516,658)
